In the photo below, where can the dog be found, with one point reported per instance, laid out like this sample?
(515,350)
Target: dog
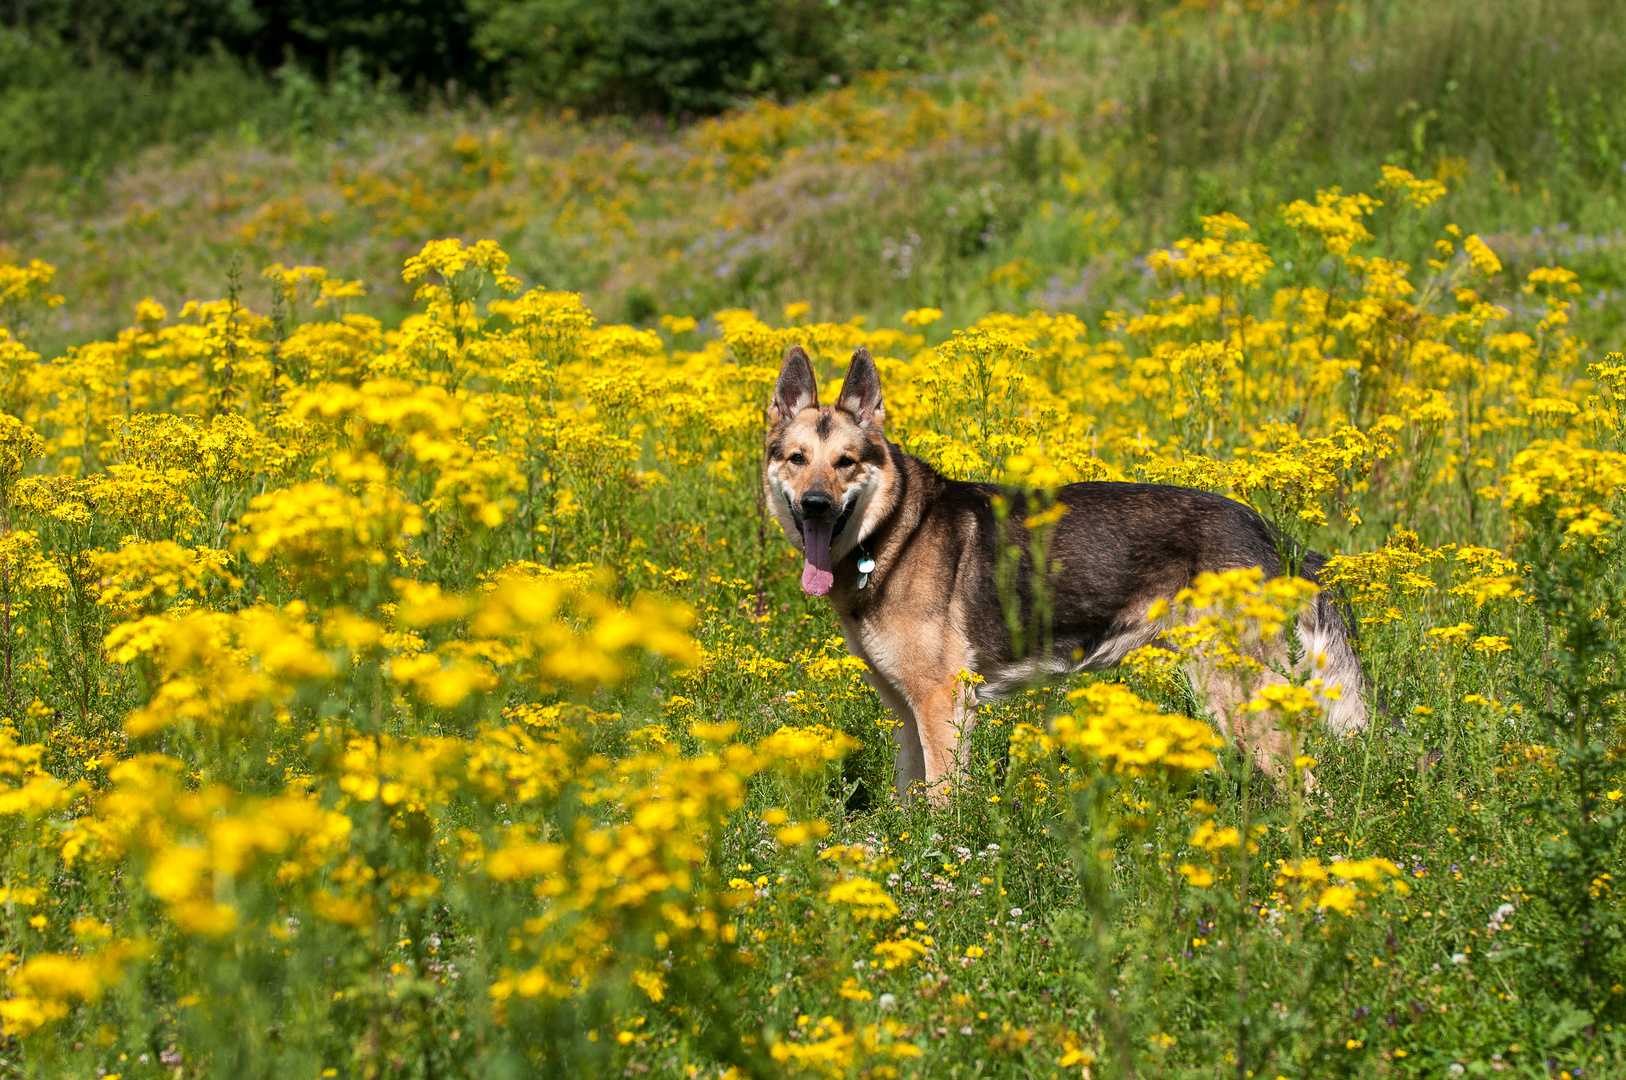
(910,562)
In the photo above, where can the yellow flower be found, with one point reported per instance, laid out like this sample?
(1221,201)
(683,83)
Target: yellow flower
(1198,877)
(1127,734)
(1221,613)
(1556,277)
(1553,480)
(143,577)
(832,1050)
(1418,194)
(651,982)
(318,531)
(1339,898)
(524,860)
(1216,258)
(1482,257)
(1452,635)
(451,260)
(1334,217)
(1209,838)
(863,898)
(803,749)
(899,953)
(1313,882)
(23,283)
(1293,706)
(44,986)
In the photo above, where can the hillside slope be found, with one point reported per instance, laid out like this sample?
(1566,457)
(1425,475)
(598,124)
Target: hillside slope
(1059,148)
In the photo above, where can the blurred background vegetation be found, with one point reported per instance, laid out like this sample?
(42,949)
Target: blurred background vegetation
(86,82)
(687,155)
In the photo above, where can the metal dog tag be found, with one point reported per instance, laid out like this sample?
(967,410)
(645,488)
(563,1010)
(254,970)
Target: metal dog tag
(866,565)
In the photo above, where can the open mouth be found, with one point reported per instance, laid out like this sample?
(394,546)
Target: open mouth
(817,535)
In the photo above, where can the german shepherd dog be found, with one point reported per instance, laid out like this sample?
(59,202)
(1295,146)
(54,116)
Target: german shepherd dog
(908,559)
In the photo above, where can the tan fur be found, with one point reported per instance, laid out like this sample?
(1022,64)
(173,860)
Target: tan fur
(912,622)
(912,647)
(864,486)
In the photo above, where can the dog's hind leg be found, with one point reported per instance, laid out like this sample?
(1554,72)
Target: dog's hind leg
(1227,692)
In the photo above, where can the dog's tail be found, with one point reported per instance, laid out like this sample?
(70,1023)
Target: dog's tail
(1327,630)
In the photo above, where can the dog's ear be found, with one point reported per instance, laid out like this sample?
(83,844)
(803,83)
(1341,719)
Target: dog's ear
(797,388)
(861,392)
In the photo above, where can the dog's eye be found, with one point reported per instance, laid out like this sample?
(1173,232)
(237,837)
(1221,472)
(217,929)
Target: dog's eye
(844,462)
(798,459)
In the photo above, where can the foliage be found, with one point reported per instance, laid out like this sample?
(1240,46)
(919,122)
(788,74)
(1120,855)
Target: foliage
(418,41)
(150,35)
(181,71)
(1417,81)
(669,57)
(1014,171)
(1569,539)
(58,112)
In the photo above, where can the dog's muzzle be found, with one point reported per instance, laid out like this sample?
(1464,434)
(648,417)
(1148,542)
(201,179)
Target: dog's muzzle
(819,524)
(816,507)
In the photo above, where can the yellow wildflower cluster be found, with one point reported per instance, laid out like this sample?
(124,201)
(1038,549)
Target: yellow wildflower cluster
(1224,618)
(829,1048)
(1338,886)
(1572,485)
(45,986)
(1126,734)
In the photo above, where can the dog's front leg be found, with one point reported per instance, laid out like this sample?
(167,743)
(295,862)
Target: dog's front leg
(911,764)
(942,709)
(918,677)
(905,735)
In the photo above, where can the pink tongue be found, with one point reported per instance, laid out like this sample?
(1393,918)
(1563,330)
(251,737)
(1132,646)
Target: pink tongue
(816,574)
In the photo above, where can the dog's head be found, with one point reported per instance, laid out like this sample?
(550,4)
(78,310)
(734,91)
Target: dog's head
(826,464)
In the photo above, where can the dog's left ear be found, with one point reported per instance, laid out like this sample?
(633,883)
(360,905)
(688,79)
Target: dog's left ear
(861,392)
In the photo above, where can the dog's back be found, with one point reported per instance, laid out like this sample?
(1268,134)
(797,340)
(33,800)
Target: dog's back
(1119,548)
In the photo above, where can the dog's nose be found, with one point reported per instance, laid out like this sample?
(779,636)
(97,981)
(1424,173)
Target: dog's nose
(816,504)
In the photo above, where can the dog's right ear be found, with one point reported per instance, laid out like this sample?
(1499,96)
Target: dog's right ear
(797,388)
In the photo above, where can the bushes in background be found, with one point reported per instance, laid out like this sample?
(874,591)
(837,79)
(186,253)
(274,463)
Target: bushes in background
(658,56)
(84,82)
